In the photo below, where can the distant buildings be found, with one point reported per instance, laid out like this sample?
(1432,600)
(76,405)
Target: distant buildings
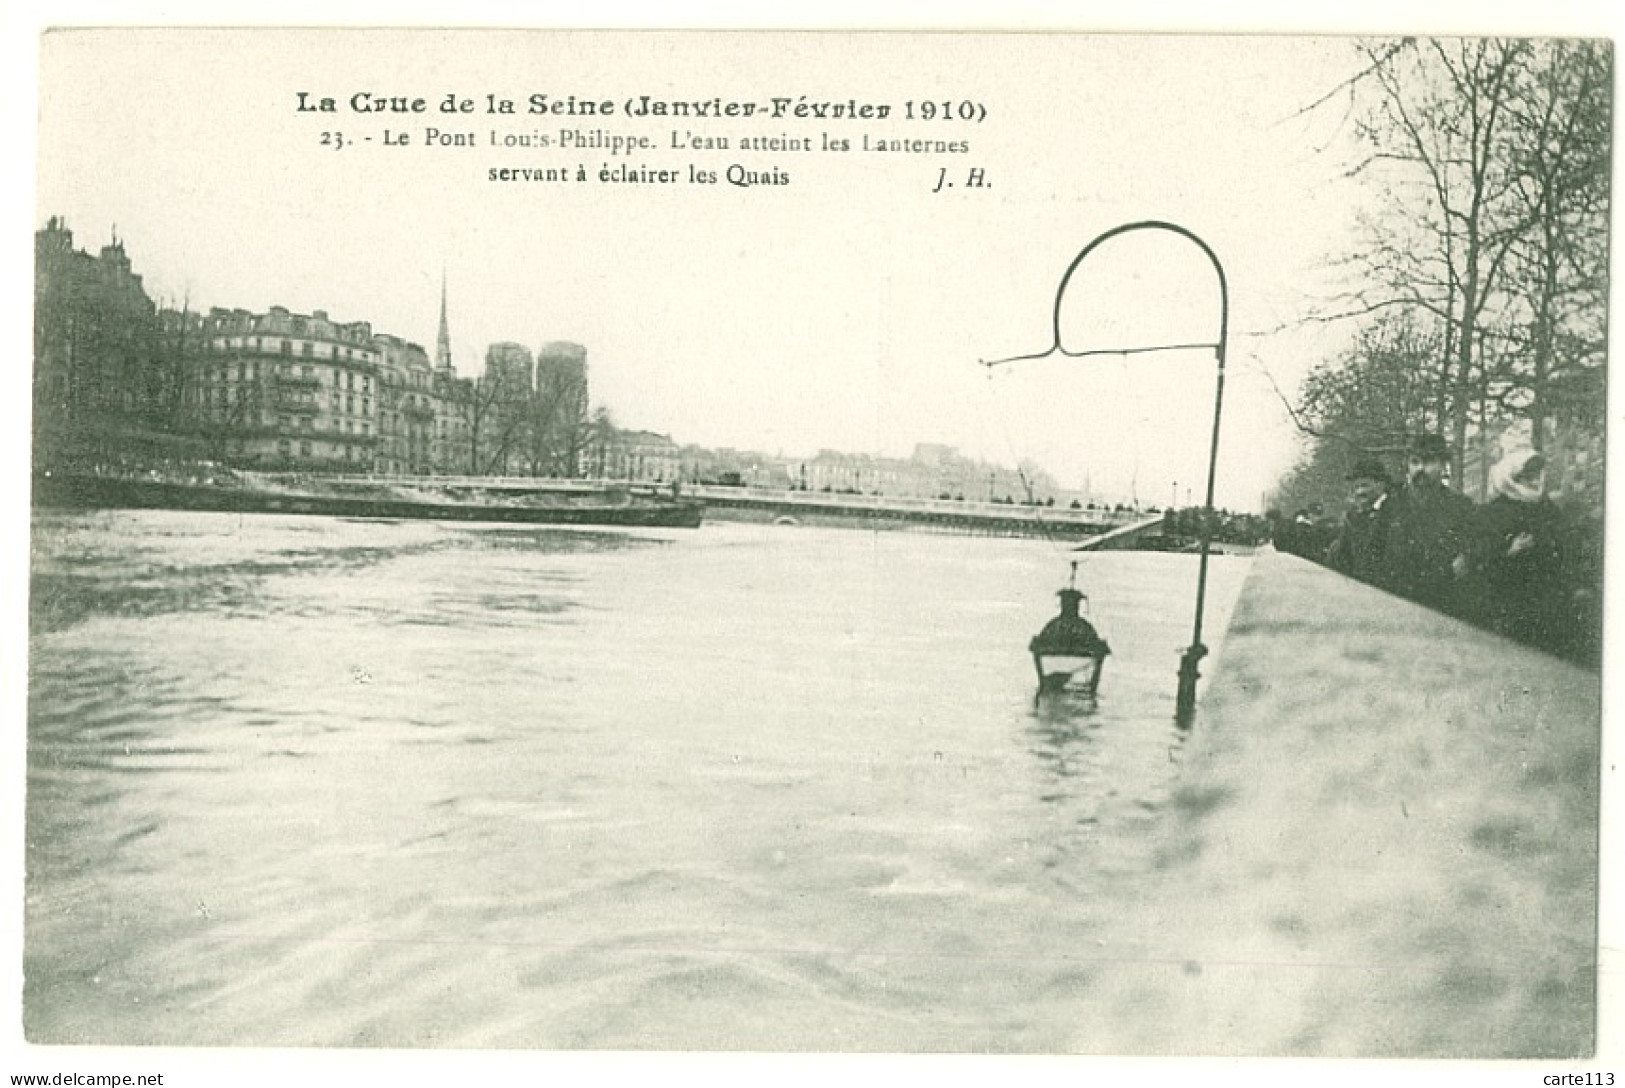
(642,456)
(562,422)
(509,371)
(932,472)
(502,409)
(531,413)
(119,382)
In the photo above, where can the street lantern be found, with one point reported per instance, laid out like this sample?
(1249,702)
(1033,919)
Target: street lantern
(1190,659)
(1069,646)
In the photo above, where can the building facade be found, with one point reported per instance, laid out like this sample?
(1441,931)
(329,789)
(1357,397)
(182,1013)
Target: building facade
(97,378)
(638,456)
(289,392)
(408,407)
(452,446)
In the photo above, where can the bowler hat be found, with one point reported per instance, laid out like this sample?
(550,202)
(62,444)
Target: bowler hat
(1368,468)
(1430,447)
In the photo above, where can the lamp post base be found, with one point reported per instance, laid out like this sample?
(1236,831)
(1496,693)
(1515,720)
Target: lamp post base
(1185,701)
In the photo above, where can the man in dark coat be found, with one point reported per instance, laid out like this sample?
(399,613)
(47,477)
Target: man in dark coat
(1362,539)
(1430,532)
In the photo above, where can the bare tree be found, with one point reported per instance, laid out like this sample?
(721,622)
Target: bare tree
(560,423)
(1384,389)
(1557,328)
(600,435)
(178,366)
(1434,128)
(487,448)
(1489,161)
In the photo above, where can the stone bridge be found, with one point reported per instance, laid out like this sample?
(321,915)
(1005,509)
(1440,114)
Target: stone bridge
(1098,528)
(942,515)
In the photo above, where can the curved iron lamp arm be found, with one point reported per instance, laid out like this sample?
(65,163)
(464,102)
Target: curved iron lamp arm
(1185,702)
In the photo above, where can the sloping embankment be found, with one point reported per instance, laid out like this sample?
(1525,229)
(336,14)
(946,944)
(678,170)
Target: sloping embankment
(1386,843)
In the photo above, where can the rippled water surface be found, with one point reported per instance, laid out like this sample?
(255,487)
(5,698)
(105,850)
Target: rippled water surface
(323,782)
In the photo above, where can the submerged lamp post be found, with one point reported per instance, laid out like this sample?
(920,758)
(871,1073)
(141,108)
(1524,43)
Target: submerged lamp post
(1190,659)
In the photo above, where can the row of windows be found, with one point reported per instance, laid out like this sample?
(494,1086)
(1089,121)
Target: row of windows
(250,372)
(306,347)
(250,399)
(304,423)
(226,395)
(284,448)
(286,422)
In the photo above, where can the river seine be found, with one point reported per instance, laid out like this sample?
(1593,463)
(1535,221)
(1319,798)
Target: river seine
(312,782)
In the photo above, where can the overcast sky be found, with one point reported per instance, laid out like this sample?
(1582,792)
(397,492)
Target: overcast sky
(848,309)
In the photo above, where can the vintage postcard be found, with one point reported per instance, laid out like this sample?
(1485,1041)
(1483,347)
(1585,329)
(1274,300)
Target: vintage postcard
(813,543)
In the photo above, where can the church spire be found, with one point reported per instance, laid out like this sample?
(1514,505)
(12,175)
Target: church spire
(442,349)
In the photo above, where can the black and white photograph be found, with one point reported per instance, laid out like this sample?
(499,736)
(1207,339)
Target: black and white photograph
(802,542)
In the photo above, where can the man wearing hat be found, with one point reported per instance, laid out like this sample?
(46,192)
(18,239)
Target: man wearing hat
(1362,539)
(1430,532)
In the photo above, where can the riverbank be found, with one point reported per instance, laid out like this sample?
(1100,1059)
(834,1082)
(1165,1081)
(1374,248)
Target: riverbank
(1385,844)
(425,498)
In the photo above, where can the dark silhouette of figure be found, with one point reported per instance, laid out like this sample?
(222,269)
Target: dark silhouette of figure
(1308,534)
(1524,559)
(1430,532)
(1362,539)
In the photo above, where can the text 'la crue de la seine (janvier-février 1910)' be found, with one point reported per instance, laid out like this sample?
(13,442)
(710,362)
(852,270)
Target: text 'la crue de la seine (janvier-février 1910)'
(538,108)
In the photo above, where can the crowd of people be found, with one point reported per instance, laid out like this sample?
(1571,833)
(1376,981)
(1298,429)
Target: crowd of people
(1518,563)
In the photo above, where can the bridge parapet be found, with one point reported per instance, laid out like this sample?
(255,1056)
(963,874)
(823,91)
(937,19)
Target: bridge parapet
(1092,520)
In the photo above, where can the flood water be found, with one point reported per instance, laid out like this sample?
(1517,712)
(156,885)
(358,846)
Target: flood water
(301,781)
